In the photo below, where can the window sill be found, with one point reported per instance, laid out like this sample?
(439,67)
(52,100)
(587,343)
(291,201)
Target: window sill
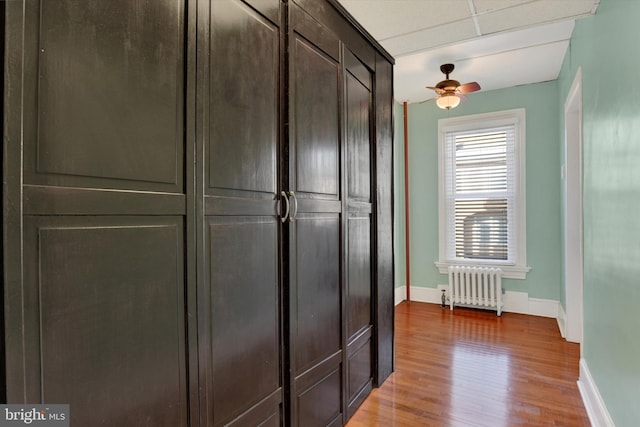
(508,271)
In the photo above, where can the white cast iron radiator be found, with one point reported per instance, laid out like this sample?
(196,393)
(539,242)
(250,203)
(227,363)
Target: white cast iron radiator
(475,286)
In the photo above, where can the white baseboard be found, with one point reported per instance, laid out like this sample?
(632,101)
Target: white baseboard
(419,294)
(593,403)
(514,302)
(401,292)
(543,307)
(561,320)
(430,295)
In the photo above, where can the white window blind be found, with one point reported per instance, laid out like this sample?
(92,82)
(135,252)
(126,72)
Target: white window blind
(480,193)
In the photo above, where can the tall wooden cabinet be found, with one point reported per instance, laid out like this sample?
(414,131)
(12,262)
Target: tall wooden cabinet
(197,209)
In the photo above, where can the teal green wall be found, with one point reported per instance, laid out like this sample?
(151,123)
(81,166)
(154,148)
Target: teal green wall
(607,48)
(542,179)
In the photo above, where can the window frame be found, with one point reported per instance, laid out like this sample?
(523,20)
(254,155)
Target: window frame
(516,268)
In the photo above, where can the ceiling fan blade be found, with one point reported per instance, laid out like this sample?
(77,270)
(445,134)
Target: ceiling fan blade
(436,89)
(468,87)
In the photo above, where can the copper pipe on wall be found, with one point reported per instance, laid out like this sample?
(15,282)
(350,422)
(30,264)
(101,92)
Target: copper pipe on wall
(406,204)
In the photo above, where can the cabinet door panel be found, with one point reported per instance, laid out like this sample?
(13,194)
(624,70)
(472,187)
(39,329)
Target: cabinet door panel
(244,285)
(315,127)
(244,99)
(358,295)
(359,367)
(320,405)
(110,325)
(110,95)
(359,255)
(317,331)
(358,140)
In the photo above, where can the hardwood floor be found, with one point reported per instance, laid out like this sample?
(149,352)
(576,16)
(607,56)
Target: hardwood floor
(472,368)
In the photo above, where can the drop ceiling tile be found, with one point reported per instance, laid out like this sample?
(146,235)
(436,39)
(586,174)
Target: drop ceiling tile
(392,18)
(533,13)
(431,37)
(485,6)
(517,39)
(523,66)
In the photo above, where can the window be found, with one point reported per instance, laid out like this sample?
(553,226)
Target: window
(481,191)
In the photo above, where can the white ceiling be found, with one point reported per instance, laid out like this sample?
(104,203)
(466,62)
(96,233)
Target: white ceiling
(498,43)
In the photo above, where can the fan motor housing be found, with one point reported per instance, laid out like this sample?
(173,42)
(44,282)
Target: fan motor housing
(448,84)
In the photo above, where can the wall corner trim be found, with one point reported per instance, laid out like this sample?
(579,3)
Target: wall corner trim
(593,403)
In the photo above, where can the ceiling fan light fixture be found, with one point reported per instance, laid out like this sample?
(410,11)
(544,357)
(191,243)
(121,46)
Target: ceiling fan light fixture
(451,91)
(448,100)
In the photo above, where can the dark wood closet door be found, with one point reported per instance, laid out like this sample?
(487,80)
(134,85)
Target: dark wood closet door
(240,300)
(358,80)
(96,285)
(315,322)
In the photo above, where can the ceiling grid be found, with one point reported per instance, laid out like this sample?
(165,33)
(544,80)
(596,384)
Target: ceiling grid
(498,43)
(474,16)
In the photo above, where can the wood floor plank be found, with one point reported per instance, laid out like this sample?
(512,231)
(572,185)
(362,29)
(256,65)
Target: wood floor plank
(470,368)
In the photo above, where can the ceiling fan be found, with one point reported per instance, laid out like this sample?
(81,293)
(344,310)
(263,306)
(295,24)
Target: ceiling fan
(451,91)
